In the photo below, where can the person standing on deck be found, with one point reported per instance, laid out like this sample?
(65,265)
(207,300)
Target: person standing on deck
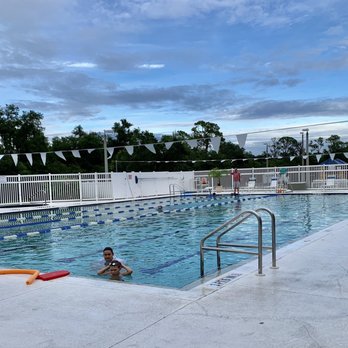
(236,181)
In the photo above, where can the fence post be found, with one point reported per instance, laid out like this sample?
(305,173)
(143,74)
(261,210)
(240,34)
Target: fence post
(96,186)
(50,187)
(19,189)
(80,187)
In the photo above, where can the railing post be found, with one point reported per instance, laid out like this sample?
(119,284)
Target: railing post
(19,189)
(96,186)
(259,256)
(50,187)
(80,187)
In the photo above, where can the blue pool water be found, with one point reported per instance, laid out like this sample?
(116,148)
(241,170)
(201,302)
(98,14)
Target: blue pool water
(161,247)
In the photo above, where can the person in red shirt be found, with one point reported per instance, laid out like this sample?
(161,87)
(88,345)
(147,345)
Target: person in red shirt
(236,181)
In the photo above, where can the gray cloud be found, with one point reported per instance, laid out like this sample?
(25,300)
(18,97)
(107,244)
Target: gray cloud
(293,108)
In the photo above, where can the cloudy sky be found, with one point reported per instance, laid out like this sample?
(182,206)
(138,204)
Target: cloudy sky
(246,65)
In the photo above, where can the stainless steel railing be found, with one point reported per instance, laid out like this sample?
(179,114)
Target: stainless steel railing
(240,248)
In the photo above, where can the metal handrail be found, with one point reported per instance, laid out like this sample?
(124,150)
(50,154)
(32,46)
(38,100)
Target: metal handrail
(231,224)
(172,189)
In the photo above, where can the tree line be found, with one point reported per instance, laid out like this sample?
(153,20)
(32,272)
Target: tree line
(22,132)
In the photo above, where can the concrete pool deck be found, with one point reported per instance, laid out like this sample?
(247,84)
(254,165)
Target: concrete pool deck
(302,304)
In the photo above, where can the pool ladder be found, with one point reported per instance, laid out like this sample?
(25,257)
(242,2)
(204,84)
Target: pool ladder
(240,248)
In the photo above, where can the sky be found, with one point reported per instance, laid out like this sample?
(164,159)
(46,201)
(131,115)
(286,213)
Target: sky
(246,65)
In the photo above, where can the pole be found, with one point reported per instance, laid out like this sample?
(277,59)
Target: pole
(106,167)
(307,147)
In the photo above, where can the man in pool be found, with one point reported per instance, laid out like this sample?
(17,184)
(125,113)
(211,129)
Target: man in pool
(114,270)
(108,254)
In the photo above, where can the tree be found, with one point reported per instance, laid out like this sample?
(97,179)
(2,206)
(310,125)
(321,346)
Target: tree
(335,144)
(284,147)
(204,131)
(316,145)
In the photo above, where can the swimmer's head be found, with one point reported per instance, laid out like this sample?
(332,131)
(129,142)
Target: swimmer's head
(108,254)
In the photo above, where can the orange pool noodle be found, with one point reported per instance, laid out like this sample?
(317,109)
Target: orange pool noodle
(33,273)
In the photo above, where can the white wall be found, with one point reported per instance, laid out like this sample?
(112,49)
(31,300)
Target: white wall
(139,184)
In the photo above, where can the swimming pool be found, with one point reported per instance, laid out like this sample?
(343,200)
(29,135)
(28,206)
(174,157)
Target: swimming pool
(162,247)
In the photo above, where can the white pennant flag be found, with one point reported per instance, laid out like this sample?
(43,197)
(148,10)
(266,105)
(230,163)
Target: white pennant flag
(110,151)
(43,157)
(332,156)
(60,154)
(1,156)
(130,150)
(318,157)
(241,138)
(192,143)
(15,158)
(150,147)
(169,144)
(30,158)
(345,154)
(215,143)
(292,157)
(305,157)
(90,150)
(76,153)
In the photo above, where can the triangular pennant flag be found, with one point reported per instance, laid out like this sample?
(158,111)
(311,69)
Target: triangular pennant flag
(241,138)
(1,156)
(215,143)
(60,154)
(30,158)
(292,157)
(110,151)
(90,150)
(169,144)
(193,161)
(130,149)
(192,143)
(76,153)
(15,158)
(305,157)
(222,161)
(345,154)
(332,156)
(43,157)
(318,157)
(150,147)
(279,157)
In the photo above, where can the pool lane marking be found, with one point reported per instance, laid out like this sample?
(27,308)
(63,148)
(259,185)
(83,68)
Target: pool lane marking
(36,217)
(100,222)
(73,214)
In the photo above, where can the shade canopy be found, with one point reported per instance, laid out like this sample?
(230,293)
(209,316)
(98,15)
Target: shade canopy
(333,161)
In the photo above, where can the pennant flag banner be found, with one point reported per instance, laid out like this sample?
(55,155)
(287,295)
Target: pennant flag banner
(169,144)
(110,151)
(215,143)
(60,154)
(43,157)
(192,143)
(130,150)
(1,156)
(332,156)
(150,147)
(345,154)
(318,157)
(305,157)
(292,157)
(76,153)
(241,138)
(30,158)
(15,158)
(90,150)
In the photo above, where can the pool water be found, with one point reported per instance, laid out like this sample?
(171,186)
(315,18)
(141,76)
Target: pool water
(161,247)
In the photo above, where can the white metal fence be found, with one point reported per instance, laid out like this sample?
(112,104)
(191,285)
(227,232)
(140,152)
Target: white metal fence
(316,177)
(24,189)
(28,189)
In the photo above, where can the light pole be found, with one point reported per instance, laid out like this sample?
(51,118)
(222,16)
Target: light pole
(307,144)
(302,148)
(107,133)
(266,154)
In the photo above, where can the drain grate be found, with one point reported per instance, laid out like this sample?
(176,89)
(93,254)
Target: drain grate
(224,280)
